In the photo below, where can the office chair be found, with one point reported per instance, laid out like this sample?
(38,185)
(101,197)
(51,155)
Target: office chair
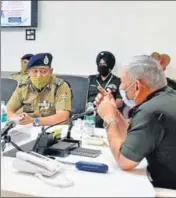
(8,86)
(6,74)
(163,192)
(79,86)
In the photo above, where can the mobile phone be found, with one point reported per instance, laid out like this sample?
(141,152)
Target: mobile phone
(102,91)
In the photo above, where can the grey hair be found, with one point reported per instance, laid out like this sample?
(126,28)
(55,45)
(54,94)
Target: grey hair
(146,69)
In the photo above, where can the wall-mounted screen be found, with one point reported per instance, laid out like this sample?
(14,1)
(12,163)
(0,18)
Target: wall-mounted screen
(19,13)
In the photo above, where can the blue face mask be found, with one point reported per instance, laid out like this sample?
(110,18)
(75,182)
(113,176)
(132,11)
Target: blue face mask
(128,102)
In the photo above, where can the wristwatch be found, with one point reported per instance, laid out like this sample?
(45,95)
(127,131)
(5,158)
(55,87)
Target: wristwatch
(107,122)
(36,122)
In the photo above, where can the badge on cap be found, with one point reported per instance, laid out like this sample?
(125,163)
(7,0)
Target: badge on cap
(46,60)
(102,53)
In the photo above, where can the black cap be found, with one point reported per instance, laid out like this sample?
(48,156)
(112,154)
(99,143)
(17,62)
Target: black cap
(42,59)
(26,56)
(108,57)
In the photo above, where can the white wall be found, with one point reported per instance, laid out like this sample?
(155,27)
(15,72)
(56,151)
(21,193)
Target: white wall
(74,32)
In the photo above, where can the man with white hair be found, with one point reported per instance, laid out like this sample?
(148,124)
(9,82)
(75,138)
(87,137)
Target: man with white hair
(151,132)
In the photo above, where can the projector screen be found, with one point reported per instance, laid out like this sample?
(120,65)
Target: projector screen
(19,13)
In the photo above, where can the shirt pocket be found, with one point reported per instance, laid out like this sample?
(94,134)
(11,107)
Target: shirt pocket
(93,89)
(28,108)
(48,110)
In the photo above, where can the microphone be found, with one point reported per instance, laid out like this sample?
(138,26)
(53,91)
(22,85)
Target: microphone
(74,117)
(9,125)
(7,139)
(45,144)
(88,112)
(45,140)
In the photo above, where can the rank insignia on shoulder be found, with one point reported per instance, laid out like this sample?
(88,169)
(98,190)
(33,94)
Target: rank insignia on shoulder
(64,96)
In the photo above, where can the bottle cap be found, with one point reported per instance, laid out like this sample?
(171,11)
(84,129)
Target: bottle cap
(3,102)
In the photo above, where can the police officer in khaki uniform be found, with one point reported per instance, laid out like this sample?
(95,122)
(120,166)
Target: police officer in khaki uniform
(42,99)
(164,60)
(22,75)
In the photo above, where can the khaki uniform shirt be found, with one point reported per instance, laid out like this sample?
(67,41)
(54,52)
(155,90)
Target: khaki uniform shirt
(19,76)
(55,96)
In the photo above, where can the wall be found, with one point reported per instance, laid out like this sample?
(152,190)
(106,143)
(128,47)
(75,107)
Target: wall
(74,32)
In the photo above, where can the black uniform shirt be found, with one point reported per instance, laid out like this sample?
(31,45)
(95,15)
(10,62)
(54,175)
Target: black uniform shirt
(112,82)
(171,83)
(152,135)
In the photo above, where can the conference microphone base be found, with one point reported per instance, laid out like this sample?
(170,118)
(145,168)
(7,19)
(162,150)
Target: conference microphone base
(63,147)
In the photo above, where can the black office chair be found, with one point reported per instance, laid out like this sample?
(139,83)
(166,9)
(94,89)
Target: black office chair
(6,74)
(8,86)
(79,86)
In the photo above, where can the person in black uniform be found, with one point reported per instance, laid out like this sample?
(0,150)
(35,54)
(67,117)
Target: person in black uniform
(150,132)
(105,63)
(164,60)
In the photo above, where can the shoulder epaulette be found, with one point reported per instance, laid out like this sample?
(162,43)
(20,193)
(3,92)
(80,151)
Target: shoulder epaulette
(58,81)
(92,76)
(12,74)
(23,82)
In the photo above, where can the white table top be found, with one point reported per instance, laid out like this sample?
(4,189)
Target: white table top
(115,183)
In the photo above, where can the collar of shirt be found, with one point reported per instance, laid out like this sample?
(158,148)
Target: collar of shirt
(98,77)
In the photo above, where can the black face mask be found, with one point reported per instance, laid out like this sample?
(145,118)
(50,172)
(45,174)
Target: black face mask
(103,70)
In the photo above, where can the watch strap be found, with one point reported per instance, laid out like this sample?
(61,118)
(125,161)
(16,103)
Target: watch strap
(108,121)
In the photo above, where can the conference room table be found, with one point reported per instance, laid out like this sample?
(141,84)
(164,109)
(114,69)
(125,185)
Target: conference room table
(114,183)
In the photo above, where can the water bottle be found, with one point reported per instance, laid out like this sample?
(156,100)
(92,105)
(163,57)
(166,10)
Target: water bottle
(89,121)
(3,112)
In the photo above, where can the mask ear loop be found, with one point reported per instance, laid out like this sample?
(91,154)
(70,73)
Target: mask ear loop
(129,86)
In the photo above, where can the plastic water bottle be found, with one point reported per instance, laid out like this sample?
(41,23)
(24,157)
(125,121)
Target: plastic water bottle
(89,121)
(3,112)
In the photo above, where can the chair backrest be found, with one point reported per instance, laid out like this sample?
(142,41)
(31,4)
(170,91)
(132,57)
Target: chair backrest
(79,86)
(8,86)
(163,192)
(7,74)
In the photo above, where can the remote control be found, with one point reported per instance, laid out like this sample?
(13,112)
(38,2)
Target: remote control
(85,152)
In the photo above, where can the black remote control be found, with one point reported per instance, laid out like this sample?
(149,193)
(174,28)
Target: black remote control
(85,152)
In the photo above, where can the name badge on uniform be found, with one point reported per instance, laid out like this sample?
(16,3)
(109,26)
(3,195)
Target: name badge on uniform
(42,104)
(45,104)
(93,85)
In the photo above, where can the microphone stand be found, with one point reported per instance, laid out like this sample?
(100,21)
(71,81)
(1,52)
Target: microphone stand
(7,139)
(43,138)
(68,138)
(62,146)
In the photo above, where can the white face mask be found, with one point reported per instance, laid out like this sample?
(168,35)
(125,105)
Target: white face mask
(128,102)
